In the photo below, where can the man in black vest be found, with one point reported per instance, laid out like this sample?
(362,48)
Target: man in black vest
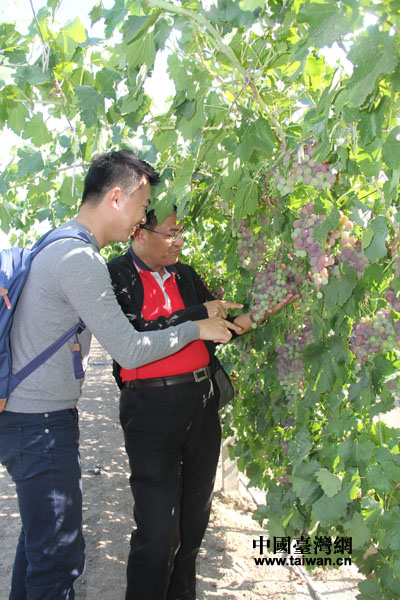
(169,413)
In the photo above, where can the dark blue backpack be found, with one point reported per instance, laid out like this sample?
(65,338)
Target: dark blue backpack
(15,264)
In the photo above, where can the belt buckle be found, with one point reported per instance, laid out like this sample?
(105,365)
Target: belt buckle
(200,374)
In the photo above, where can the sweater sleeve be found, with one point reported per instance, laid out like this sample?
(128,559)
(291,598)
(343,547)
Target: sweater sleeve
(203,294)
(84,281)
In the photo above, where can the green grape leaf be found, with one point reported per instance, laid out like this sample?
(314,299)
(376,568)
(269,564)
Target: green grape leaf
(391,149)
(358,531)
(65,192)
(132,26)
(379,480)
(391,522)
(377,247)
(96,13)
(299,448)
(330,483)
(372,55)
(370,590)
(338,291)
(141,51)
(165,140)
(367,237)
(31,161)
(89,101)
(17,117)
(36,129)
(326,21)
(30,74)
(114,16)
(326,376)
(251,4)
(5,218)
(75,30)
(329,511)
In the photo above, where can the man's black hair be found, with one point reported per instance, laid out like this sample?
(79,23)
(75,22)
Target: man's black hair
(151,219)
(122,168)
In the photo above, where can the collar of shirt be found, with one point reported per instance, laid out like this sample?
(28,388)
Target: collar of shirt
(143,267)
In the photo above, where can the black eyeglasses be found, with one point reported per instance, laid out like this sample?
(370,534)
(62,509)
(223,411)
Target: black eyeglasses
(172,237)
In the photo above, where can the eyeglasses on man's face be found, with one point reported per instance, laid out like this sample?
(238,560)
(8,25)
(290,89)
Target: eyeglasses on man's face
(171,237)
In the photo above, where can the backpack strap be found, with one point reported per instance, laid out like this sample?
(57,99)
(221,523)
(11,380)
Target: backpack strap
(49,237)
(58,234)
(48,353)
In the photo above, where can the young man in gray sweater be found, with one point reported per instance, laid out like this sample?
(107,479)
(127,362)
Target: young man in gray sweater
(39,427)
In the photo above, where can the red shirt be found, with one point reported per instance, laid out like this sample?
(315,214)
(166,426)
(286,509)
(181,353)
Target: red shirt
(158,302)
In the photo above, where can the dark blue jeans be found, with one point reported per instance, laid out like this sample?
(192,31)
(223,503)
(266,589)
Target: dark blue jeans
(41,453)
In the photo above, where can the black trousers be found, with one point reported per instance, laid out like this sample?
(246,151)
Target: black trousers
(172,437)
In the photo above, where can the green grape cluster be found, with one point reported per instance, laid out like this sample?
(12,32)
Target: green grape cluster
(271,285)
(289,361)
(375,335)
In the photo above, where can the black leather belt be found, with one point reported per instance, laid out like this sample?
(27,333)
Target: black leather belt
(193,377)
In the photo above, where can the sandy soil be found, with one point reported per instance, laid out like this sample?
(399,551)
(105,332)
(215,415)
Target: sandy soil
(226,567)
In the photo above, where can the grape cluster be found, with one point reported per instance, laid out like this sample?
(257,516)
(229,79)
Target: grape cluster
(251,248)
(273,284)
(372,336)
(218,293)
(354,256)
(289,363)
(351,251)
(305,170)
(391,298)
(305,245)
(341,246)
(285,479)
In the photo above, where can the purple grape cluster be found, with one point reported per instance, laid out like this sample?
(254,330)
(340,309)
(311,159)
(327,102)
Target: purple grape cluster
(289,363)
(305,170)
(391,298)
(341,246)
(305,245)
(217,293)
(351,251)
(251,247)
(372,336)
(354,256)
(272,285)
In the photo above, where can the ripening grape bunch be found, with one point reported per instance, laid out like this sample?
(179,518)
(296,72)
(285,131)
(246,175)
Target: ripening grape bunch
(341,246)
(354,256)
(391,298)
(372,336)
(350,249)
(218,294)
(273,284)
(305,170)
(289,362)
(251,247)
(305,245)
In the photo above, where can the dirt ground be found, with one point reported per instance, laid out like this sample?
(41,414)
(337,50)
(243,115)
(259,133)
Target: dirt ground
(226,567)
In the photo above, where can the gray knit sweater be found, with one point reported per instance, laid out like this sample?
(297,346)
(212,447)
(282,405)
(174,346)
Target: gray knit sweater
(68,280)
